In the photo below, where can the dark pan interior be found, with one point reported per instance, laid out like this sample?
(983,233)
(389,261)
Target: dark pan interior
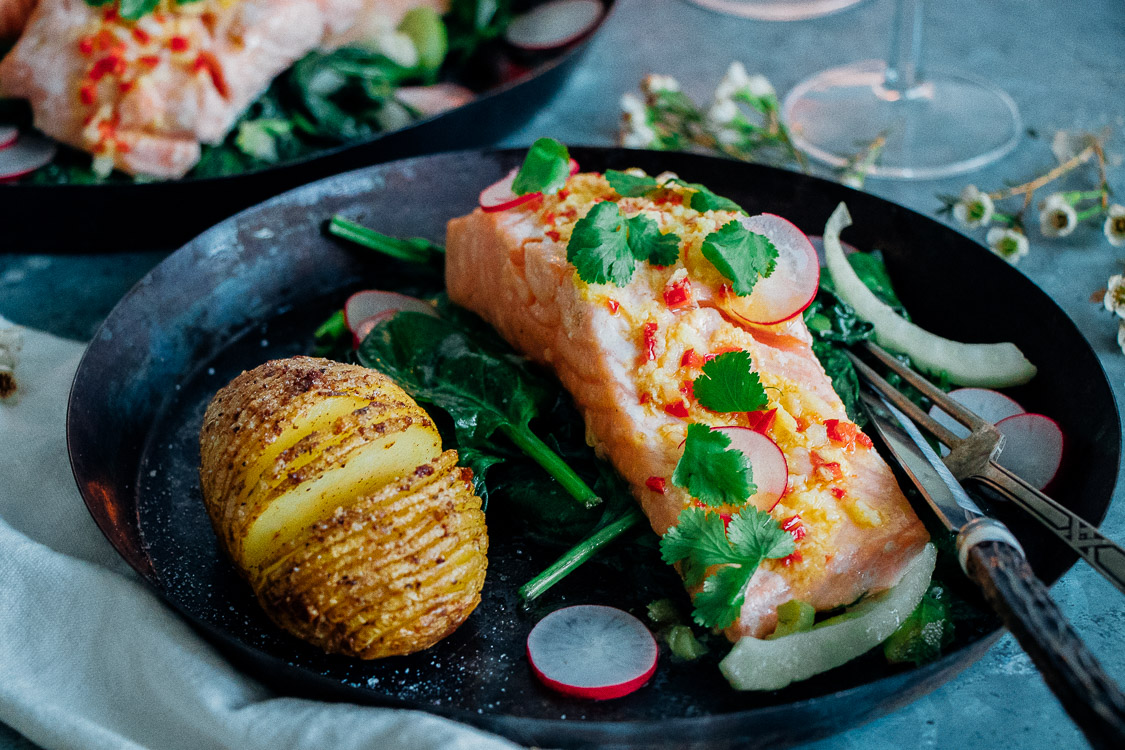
(164,215)
(255,286)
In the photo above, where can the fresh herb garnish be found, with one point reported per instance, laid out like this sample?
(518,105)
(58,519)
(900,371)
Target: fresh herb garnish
(699,541)
(711,470)
(922,635)
(702,199)
(648,244)
(727,385)
(604,246)
(631,186)
(740,255)
(545,169)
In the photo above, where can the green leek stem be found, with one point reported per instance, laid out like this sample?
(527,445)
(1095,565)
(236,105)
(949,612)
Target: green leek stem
(577,555)
(332,329)
(412,250)
(542,454)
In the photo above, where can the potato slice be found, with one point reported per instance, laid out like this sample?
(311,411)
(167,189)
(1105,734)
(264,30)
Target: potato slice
(391,574)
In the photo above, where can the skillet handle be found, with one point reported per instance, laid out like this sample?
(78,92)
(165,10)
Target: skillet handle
(1092,699)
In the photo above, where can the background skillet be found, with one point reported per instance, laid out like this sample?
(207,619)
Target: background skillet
(256,285)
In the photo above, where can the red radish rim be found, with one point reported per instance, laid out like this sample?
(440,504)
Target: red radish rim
(396,303)
(784,462)
(499,196)
(573,167)
(26,155)
(810,251)
(571,36)
(1062,447)
(1003,396)
(9,134)
(647,643)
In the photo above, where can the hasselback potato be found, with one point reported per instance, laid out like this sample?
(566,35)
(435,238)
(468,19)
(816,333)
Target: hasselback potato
(326,485)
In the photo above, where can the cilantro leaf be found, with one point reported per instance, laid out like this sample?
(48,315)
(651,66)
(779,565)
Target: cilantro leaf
(647,243)
(740,255)
(699,541)
(630,186)
(728,385)
(135,9)
(545,168)
(599,246)
(711,470)
(756,534)
(703,199)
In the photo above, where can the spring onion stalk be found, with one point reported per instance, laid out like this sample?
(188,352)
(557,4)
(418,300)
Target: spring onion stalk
(577,555)
(541,453)
(411,249)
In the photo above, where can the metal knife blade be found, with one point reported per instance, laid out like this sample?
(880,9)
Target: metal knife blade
(937,484)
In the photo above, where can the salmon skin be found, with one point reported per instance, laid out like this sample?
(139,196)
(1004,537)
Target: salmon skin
(142,96)
(627,357)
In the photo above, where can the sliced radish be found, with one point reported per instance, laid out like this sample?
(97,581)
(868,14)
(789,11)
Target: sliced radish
(985,365)
(26,155)
(8,135)
(794,281)
(499,196)
(991,406)
(554,24)
(1033,448)
(573,167)
(591,651)
(755,664)
(767,462)
(435,99)
(364,309)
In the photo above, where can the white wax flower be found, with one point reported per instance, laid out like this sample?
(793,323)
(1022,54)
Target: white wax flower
(1114,299)
(654,84)
(1057,218)
(1009,244)
(1121,335)
(1115,225)
(974,208)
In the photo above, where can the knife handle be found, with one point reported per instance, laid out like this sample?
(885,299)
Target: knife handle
(1103,554)
(1092,699)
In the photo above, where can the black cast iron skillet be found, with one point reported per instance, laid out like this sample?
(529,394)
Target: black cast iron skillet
(255,286)
(163,215)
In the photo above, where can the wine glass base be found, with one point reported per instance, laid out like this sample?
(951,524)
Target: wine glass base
(946,125)
(777,10)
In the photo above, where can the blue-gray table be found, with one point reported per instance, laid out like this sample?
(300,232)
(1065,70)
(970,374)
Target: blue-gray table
(1063,63)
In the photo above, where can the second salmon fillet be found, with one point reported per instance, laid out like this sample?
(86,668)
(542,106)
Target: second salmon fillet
(628,355)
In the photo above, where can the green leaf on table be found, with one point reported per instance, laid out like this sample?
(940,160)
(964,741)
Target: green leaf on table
(711,470)
(727,384)
(740,255)
(545,169)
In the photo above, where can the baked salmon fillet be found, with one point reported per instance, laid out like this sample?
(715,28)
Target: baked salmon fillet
(628,356)
(142,96)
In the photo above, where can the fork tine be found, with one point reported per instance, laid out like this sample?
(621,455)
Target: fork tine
(921,418)
(931,391)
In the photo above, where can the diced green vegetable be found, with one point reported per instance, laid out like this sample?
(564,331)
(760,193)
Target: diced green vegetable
(794,616)
(683,643)
(925,633)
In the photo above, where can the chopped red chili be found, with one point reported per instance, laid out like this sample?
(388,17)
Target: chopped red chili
(553,234)
(141,35)
(613,305)
(677,409)
(678,295)
(656,484)
(178,44)
(761,421)
(838,492)
(688,388)
(650,341)
(691,359)
(794,526)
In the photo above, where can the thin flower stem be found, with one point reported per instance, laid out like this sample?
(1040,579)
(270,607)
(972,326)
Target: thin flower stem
(1028,188)
(1089,213)
(1077,196)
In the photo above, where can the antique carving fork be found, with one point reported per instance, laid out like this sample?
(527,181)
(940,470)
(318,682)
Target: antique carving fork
(972,457)
(992,557)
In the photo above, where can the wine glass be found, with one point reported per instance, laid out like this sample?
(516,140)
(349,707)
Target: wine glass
(932,124)
(777,10)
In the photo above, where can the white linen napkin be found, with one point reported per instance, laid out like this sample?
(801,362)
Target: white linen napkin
(90,658)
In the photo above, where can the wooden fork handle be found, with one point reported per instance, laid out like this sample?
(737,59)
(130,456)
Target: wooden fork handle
(1092,699)
(1101,553)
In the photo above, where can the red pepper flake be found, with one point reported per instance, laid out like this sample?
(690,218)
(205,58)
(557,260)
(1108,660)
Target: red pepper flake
(549,218)
(104,40)
(110,13)
(691,359)
(644,399)
(826,469)
(126,86)
(650,341)
(796,557)
(613,305)
(794,526)
(656,484)
(761,421)
(726,520)
(563,194)
(150,61)
(722,350)
(178,44)
(688,388)
(863,440)
(205,61)
(678,295)
(88,94)
(86,45)
(676,409)
(141,35)
(838,492)
(106,65)
(802,423)
(553,234)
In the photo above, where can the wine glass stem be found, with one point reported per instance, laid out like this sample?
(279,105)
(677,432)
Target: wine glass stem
(904,64)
